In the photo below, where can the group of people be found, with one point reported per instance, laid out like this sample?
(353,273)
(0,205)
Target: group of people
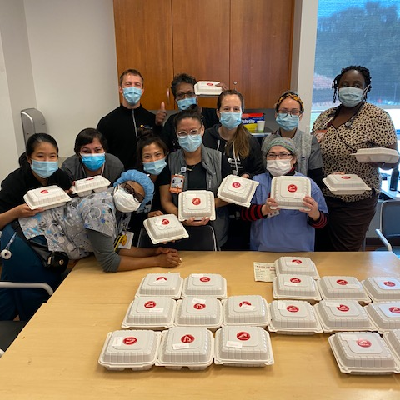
(149,160)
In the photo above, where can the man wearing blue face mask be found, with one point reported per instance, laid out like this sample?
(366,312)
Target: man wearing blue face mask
(120,125)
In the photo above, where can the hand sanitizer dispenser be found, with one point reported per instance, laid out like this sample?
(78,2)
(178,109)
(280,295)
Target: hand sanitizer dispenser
(32,122)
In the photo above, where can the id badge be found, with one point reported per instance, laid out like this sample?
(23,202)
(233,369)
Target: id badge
(124,241)
(320,134)
(176,183)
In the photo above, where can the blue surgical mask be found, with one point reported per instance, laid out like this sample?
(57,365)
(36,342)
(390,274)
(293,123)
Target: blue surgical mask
(287,122)
(154,167)
(44,169)
(231,120)
(93,161)
(190,143)
(350,96)
(185,103)
(132,94)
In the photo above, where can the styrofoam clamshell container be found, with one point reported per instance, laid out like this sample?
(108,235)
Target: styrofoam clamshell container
(161,284)
(150,313)
(296,265)
(164,228)
(191,347)
(342,315)
(243,346)
(83,187)
(195,311)
(345,184)
(382,289)
(207,88)
(296,286)
(293,317)
(237,190)
(251,310)
(198,284)
(385,316)
(342,287)
(136,350)
(392,338)
(196,204)
(363,353)
(377,154)
(289,191)
(46,197)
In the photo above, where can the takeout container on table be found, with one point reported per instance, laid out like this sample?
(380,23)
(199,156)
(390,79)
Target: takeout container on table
(342,184)
(295,286)
(196,204)
(150,313)
(296,265)
(164,228)
(243,346)
(385,316)
(237,190)
(167,284)
(289,191)
(377,155)
(46,197)
(392,338)
(199,284)
(83,187)
(133,349)
(293,317)
(382,288)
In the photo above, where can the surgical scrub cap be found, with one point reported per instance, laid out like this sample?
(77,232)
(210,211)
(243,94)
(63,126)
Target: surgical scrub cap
(142,179)
(287,143)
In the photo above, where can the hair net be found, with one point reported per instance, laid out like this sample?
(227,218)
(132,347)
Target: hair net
(287,143)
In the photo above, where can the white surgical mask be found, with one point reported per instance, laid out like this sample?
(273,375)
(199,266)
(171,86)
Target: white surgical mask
(279,167)
(124,201)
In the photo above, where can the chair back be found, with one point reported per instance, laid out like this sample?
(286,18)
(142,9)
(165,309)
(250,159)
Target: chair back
(390,219)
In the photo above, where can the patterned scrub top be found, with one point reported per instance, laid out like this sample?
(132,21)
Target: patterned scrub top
(371,127)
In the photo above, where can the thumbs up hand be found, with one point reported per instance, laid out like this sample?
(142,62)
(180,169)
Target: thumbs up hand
(161,115)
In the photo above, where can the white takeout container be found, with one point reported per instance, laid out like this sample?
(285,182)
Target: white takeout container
(296,265)
(289,191)
(364,353)
(83,187)
(196,311)
(342,316)
(342,287)
(237,190)
(382,289)
(164,228)
(136,350)
(46,197)
(207,88)
(345,184)
(191,347)
(293,317)
(196,204)
(392,338)
(377,154)
(243,346)
(161,284)
(199,285)
(288,286)
(150,313)
(385,316)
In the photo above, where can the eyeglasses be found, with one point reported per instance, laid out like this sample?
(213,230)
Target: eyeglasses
(293,113)
(130,190)
(281,156)
(182,95)
(193,132)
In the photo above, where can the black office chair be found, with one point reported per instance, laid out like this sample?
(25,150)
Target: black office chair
(389,231)
(201,238)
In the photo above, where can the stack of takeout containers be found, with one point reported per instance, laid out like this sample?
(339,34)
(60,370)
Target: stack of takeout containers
(295,286)
(345,184)
(83,187)
(237,190)
(46,197)
(289,191)
(196,204)
(164,228)
(377,155)
(296,265)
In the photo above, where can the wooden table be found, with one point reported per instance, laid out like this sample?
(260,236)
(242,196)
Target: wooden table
(55,356)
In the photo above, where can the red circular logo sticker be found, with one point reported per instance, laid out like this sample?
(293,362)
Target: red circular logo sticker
(292,309)
(129,340)
(187,339)
(343,308)
(243,336)
(44,191)
(150,304)
(165,221)
(244,303)
(196,201)
(236,184)
(205,279)
(292,188)
(394,310)
(295,280)
(390,284)
(199,306)
(346,177)
(161,278)
(296,261)
(342,282)
(364,343)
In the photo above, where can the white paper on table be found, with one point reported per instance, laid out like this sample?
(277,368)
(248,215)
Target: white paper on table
(264,272)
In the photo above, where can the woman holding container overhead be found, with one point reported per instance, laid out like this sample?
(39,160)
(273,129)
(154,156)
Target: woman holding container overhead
(341,131)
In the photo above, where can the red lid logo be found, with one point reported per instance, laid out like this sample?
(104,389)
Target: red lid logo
(165,221)
(44,191)
(129,340)
(295,280)
(187,339)
(343,308)
(209,84)
(364,343)
(243,336)
(292,188)
(346,177)
(196,201)
(150,304)
(342,282)
(292,309)
(297,261)
(199,306)
(244,303)
(236,184)
(389,283)
(161,278)
(394,310)
(205,279)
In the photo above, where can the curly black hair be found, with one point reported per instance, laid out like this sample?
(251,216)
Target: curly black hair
(181,78)
(362,70)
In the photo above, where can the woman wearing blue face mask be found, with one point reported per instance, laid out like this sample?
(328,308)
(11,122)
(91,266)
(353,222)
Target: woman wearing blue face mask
(91,159)
(341,131)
